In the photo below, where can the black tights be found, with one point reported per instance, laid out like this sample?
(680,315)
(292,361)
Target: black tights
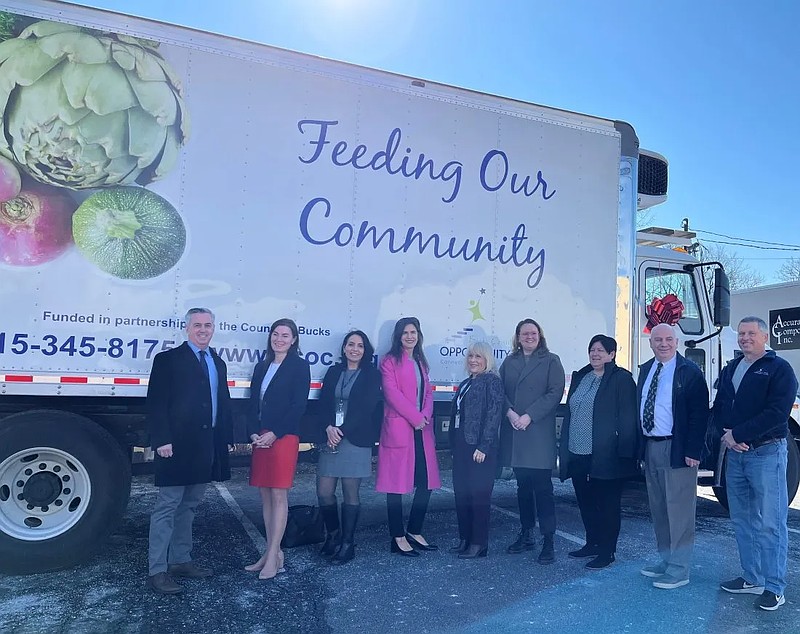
(326,490)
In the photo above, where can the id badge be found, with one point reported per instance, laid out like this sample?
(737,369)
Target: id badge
(457,422)
(339,413)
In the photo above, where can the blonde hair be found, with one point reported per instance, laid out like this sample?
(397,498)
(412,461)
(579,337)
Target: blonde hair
(484,350)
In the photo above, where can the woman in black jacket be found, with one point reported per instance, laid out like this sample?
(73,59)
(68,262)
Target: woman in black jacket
(350,417)
(474,428)
(278,397)
(598,447)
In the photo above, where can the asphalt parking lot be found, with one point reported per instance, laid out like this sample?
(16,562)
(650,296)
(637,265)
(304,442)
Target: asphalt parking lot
(381,592)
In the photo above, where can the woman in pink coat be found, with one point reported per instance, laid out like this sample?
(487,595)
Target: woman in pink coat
(407,450)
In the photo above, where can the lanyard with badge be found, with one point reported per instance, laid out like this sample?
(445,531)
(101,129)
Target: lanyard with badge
(460,397)
(341,387)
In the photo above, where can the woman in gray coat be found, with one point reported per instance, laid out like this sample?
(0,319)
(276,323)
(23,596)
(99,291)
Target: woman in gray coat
(533,379)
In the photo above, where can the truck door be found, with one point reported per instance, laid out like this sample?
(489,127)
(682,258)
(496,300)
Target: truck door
(667,293)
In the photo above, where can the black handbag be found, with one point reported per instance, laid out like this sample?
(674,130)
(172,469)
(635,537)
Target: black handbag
(304,526)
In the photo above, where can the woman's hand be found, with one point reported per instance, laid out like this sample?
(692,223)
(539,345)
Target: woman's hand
(264,441)
(334,435)
(478,456)
(523,422)
(513,417)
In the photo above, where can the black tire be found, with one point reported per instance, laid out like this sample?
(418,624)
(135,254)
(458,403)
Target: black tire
(792,474)
(68,447)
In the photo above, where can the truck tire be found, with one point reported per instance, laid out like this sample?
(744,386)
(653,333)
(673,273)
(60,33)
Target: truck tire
(64,485)
(792,474)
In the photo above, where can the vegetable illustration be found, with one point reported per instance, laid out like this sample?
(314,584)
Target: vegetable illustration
(35,226)
(129,232)
(85,109)
(10,181)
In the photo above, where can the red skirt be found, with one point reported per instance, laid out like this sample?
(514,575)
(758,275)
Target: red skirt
(274,467)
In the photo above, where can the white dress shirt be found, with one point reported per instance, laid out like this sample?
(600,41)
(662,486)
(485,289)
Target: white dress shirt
(663,408)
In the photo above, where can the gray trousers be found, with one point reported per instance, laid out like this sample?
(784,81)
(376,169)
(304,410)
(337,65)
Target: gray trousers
(672,494)
(171,526)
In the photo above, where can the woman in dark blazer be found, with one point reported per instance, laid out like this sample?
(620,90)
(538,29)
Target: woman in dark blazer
(278,397)
(474,427)
(533,380)
(350,415)
(598,447)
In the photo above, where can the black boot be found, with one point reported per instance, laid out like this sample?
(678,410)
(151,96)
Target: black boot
(548,555)
(333,536)
(349,520)
(525,541)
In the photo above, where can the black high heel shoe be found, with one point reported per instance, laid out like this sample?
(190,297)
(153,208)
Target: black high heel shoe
(415,544)
(474,551)
(462,546)
(395,548)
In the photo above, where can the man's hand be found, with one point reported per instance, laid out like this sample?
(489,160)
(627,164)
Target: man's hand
(691,462)
(165,451)
(513,418)
(478,456)
(731,443)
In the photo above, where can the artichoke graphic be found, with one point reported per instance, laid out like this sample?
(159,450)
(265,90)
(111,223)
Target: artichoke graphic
(83,109)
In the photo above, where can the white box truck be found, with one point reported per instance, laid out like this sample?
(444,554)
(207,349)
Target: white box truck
(148,168)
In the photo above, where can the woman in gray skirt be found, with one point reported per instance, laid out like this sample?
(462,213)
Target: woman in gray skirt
(350,414)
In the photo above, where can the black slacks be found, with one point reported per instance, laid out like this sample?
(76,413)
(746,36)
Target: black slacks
(535,499)
(422,495)
(472,484)
(600,504)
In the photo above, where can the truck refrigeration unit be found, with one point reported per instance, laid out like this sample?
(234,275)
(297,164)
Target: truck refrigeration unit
(147,168)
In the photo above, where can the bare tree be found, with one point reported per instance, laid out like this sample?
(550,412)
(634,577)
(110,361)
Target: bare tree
(740,274)
(789,271)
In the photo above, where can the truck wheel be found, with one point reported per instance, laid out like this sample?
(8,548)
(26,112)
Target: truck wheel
(792,474)
(64,485)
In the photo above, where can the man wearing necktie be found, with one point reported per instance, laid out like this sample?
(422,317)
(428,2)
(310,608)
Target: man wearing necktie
(189,419)
(673,411)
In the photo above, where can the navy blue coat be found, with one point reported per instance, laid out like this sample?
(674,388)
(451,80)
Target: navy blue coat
(285,399)
(179,412)
(689,410)
(760,410)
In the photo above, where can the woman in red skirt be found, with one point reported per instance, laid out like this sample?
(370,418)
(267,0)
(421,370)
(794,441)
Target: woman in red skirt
(278,396)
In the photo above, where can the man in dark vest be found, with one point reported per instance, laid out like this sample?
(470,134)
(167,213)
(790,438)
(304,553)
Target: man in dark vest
(189,419)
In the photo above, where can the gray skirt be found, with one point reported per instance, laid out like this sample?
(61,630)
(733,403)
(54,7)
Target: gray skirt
(348,462)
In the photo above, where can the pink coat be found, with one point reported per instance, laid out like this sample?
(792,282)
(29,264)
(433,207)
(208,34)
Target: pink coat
(395,472)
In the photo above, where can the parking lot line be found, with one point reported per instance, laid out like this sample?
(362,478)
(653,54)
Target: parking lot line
(258,541)
(567,536)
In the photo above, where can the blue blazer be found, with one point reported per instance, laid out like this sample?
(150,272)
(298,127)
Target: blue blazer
(285,399)
(689,410)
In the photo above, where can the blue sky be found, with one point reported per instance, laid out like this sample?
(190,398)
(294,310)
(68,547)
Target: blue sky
(712,85)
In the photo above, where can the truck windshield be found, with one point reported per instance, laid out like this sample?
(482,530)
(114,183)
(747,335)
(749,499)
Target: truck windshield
(663,287)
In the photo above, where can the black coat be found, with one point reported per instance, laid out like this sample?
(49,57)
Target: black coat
(364,417)
(615,425)
(179,413)
(483,407)
(689,410)
(285,399)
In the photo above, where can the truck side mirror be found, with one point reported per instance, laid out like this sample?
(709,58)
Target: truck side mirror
(722,298)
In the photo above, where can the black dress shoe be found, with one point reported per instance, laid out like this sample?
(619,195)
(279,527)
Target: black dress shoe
(420,546)
(588,550)
(474,551)
(601,561)
(462,546)
(395,548)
